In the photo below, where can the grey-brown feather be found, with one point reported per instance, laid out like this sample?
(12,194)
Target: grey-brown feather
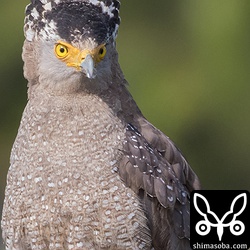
(158,173)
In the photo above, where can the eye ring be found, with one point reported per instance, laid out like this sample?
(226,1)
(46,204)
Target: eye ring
(61,50)
(102,52)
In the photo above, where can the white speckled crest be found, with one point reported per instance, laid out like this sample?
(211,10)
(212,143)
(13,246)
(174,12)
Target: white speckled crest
(98,19)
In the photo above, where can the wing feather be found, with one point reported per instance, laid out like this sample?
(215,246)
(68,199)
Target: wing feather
(154,166)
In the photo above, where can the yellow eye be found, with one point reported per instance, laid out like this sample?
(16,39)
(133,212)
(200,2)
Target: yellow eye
(61,50)
(101,53)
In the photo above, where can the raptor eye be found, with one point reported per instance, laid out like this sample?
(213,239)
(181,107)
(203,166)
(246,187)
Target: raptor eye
(61,50)
(102,52)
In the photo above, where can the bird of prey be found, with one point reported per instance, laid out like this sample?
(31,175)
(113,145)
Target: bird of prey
(88,171)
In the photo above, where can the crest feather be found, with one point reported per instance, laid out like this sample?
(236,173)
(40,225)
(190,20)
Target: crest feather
(43,18)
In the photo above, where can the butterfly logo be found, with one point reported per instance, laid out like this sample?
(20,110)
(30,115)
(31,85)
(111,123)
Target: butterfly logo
(236,227)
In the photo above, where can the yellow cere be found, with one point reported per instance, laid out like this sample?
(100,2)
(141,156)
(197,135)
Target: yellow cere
(73,57)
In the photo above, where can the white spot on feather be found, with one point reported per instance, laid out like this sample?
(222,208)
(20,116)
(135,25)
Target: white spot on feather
(35,13)
(171,198)
(38,179)
(79,244)
(47,6)
(81,132)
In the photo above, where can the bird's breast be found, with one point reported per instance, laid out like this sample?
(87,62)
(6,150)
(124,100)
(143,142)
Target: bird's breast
(64,180)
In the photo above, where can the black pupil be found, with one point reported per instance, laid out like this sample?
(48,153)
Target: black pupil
(62,50)
(101,51)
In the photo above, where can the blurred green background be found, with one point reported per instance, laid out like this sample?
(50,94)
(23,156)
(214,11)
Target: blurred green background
(188,65)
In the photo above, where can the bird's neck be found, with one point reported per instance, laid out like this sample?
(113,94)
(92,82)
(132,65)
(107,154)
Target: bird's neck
(115,99)
(112,92)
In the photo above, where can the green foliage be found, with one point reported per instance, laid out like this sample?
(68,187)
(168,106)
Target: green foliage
(187,63)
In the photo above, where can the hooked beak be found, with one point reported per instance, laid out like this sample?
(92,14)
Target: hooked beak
(88,66)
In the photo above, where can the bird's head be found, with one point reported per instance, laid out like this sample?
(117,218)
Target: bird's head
(85,60)
(69,41)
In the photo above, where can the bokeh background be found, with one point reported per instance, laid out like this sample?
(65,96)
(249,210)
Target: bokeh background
(188,65)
